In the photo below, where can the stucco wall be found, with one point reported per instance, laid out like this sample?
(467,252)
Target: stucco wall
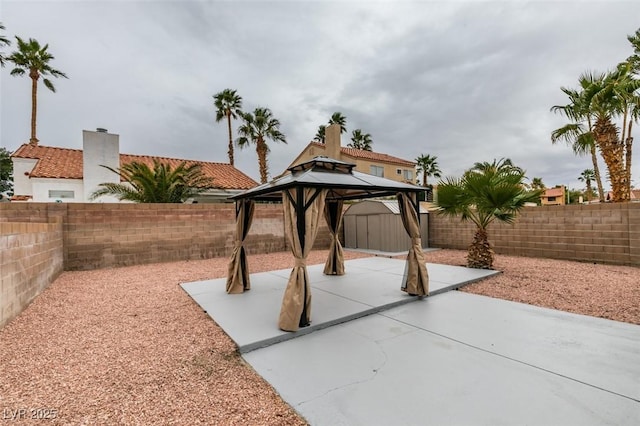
(31,258)
(41,187)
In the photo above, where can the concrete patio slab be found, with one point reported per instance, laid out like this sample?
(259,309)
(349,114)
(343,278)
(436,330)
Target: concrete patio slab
(461,359)
(370,285)
(600,352)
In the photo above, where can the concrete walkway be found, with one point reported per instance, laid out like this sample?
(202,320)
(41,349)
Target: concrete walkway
(450,359)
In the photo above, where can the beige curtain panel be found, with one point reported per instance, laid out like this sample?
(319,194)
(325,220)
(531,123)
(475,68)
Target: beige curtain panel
(333,213)
(303,208)
(238,271)
(417,277)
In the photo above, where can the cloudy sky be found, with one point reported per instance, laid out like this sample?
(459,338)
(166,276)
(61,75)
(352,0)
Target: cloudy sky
(465,81)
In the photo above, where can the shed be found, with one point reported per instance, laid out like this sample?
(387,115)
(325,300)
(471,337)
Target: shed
(377,225)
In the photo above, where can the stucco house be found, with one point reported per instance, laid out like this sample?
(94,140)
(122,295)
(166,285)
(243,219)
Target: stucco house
(373,163)
(53,174)
(553,196)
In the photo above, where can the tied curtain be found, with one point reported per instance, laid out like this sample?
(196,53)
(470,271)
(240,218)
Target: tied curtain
(302,210)
(333,215)
(238,270)
(417,280)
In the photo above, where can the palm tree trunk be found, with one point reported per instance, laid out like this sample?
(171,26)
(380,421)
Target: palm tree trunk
(480,253)
(596,172)
(261,150)
(629,146)
(230,151)
(34,105)
(424,179)
(594,160)
(612,149)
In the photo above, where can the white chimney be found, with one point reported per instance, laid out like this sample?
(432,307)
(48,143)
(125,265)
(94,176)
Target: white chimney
(99,148)
(332,141)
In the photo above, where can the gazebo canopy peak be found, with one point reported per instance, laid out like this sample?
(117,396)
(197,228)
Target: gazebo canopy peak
(321,163)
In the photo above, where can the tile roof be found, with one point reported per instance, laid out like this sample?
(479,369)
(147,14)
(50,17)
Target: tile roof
(370,155)
(65,163)
(553,192)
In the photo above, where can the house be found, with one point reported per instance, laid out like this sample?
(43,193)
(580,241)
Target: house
(554,196)
(373,163)
(634,195)
(53,174)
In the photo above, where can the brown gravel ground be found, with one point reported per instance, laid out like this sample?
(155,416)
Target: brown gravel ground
(598,290)
(128,346)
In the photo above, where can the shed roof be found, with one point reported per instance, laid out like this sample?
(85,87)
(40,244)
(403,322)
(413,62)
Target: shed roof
(324,172)
(379,207)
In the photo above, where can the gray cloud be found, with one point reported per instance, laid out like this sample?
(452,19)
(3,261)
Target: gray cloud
(466,81)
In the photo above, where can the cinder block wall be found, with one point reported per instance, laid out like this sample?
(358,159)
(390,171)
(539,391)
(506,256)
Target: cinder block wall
(107,235)
(605,233)
(103,235)
(31,258)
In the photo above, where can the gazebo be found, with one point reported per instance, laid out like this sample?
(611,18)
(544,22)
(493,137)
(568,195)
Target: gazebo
(311,189)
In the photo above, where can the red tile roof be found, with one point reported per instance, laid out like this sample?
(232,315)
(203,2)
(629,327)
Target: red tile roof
(553,192)
(370,155)
(65,163)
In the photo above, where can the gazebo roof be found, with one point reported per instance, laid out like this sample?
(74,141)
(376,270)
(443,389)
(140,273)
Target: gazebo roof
(324,172)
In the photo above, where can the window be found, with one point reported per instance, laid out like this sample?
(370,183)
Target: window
(54,193)
(407,175)
(398,171)
(550,199)
(377,171)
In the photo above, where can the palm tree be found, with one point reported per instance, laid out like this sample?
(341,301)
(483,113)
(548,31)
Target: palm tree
(228,105)
(360,140)
(634,59)
(536,184)
(338,118)
(35,59)
(579,133)
(320,134)
(486,192)
(624,88)
(256,128)
(3,42)
(160,185)
(587,176)
(428,166)
(606,99)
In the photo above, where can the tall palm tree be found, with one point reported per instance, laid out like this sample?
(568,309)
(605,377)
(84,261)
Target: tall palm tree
(604,98)
(3,42)
(624,88)
(228,105)
(360,140)
(484,193)
(428,166)
(320,134)
(256,128)
(162,184)
(338,118)
(579,133)
(34,59)
(587,176)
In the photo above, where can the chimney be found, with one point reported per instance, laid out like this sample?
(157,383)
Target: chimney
(99,148)
(332,142)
